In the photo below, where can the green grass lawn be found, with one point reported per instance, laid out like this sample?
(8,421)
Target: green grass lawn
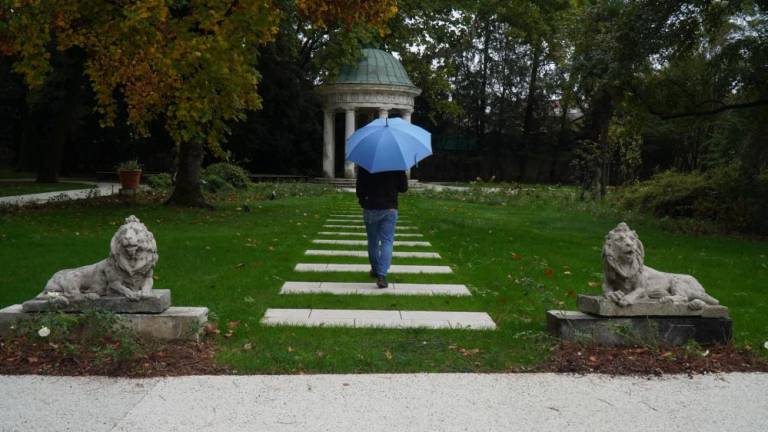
(518,260)
(11,188)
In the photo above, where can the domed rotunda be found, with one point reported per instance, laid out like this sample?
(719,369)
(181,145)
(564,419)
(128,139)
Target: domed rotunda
(377,86)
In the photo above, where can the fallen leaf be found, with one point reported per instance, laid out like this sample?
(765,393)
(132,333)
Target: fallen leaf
(469,352)
(516,256)
(33,359)
(211,328)
(229,334)
(388,355)
(290,349)
(249,299)
(570,293)
(248,346)
(593,284)
(233,325)
(548,272)
(240,265)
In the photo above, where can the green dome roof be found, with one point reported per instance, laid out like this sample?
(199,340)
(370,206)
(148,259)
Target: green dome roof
(375,67)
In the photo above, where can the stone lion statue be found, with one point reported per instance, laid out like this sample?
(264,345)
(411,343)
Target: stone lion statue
(126,272)
(628,280)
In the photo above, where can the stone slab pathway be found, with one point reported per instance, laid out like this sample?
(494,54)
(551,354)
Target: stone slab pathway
(365,243)
(399,227)
(378,318)
(359,318)
(343,233)
(363,268)
(364,254)
(362,288)
(359,218)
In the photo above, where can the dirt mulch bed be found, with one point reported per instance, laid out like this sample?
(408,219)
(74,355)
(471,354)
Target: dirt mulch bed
(21,356)
(656,361)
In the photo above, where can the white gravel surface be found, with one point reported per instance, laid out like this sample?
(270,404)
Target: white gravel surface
(406,402)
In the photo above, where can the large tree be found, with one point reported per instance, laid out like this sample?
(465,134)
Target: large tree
(190,63)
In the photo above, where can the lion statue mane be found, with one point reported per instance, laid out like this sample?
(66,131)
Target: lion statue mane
(628,281)
(127,272)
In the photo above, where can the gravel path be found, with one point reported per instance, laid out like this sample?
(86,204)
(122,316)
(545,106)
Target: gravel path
(404,402)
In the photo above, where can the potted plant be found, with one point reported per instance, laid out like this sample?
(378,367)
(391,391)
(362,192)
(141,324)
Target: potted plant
(130,174)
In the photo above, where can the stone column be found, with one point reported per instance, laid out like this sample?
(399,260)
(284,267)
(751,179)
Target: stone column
(349,123)
(383,113)
(407,117)
(329,144)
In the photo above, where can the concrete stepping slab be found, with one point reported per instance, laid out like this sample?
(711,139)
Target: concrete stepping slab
(404,227)
(365,242)
(356,221)
(358,217)
(355,253)
(337,233)
(361,318)
(465,320)
(324,267)
(369,288)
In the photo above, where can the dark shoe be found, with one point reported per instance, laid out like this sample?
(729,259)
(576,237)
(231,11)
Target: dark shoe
(381,282)
(373,274)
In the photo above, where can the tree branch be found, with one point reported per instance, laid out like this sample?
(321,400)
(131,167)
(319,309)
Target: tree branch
(723,107)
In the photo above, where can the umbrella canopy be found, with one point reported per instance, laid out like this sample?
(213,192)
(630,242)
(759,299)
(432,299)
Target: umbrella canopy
(388,145)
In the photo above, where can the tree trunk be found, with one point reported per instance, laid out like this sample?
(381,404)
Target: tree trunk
(483,97)
(63,111)
(52,147)
(28,145)
(187,191)
(530,100)
(530,138)
(601,111)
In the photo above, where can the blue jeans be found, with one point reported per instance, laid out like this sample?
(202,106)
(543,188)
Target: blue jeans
(380,227)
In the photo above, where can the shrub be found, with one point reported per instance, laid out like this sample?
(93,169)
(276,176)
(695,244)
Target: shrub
(98,333)
(230,173)
(723,195)
(215,184)
(669,194)
(162,181)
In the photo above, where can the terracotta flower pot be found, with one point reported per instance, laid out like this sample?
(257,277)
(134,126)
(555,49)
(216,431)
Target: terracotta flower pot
(130,179)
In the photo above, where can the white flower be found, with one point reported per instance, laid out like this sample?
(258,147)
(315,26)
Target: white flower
(44,331)
(765,345)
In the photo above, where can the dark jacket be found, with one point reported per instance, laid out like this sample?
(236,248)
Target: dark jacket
(379,191)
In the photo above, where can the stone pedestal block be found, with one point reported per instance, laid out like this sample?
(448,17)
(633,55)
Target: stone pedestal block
(175,323)
(574,326)
(156,302)
(598,305)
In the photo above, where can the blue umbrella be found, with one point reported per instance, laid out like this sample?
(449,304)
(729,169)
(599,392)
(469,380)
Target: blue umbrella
(388,145)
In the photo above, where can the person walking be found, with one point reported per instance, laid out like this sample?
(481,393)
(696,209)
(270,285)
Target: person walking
(377,195)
